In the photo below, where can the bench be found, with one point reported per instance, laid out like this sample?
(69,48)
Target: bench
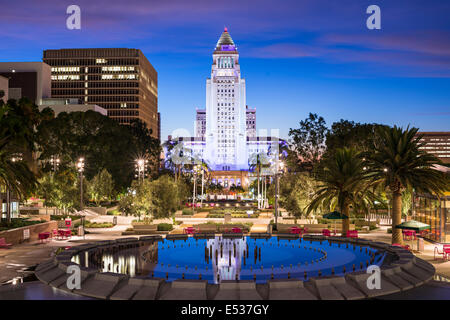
(3,243)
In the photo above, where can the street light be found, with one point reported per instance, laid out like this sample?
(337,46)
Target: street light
(80,168)
(280,166)
(141,169)
(195,169)
(55,161)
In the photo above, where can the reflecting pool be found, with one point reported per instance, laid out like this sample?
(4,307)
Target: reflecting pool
(245,258)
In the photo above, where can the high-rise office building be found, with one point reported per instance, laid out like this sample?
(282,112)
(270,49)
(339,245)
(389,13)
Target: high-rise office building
(120,80)
(437,143)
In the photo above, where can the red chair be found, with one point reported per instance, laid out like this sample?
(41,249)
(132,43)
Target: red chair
(295,230)
(445,251)
(352,234)
(3,244)
(326,232)
(236,230)
(44,236)
(409,234)
(189,230)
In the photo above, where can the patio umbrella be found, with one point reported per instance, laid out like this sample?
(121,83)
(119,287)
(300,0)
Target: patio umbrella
(413,225)
(335,215)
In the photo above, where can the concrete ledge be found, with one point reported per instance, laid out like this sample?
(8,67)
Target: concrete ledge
(151,238)
(359,280)
(392,274)
(138,289)
(100,286)
(260,235)
(237,290)
(176,237)
(289,290)
(232,235)
(204,236)
(186,290)
(287,236)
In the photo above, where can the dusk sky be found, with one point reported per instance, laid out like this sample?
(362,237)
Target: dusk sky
(297,56)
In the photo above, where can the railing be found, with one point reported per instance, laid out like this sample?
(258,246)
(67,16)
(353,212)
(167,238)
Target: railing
(384,219)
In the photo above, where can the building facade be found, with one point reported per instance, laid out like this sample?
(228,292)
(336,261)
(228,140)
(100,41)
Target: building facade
(27,80)
(4,86)
(225,131)
(120,80)
(438,144)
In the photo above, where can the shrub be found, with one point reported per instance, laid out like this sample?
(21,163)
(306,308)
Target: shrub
(165,227)
(17,223)
(187,212)
(88,224)
(389,230)
(113,212)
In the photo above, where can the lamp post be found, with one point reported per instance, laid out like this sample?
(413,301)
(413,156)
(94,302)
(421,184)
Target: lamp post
(203,172)
(55,161)
(80,168)
(141,169)
(280,166)
(194,191)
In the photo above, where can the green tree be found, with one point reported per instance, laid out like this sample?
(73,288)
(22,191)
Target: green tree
(103,143)
(60,190)
(101,187)
(307,143)
(296,192)
(343,180)
(399,164)
(18,120)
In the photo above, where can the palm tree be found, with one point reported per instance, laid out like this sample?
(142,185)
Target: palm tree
(344,179)
(398,164)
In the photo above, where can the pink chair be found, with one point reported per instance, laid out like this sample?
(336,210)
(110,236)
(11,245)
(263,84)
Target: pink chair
(326,232)
(352,234)
(189,230)
(3,244)
(445,251)
(295,230)
(236,230)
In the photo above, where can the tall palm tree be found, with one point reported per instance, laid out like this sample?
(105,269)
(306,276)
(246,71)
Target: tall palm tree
(344,178)
(398,163)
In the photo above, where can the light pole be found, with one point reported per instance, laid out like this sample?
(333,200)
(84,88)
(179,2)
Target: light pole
(201,200)
(141,169)
(55,161)
(277,188)
(194,191)
(80,168)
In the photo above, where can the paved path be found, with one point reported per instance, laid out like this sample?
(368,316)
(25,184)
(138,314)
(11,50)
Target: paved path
(442,267)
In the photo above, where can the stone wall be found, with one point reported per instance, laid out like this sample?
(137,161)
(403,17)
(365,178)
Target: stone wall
(16,236)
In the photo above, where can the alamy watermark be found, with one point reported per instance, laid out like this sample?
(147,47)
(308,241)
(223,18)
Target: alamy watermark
(374,20)
(74,280)
(74,20)
(374,280)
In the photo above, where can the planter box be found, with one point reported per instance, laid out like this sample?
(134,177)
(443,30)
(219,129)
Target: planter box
(19,235)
